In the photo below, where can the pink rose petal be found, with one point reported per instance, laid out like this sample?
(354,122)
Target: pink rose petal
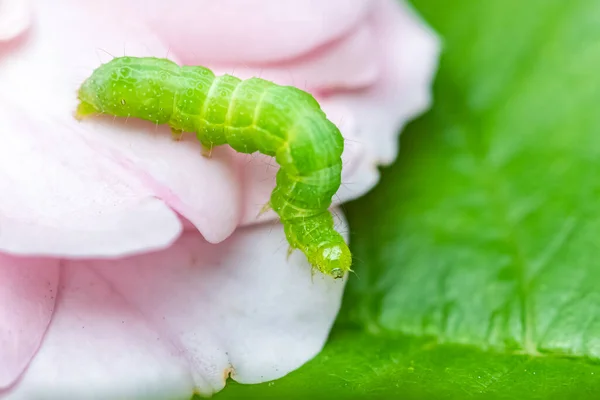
(15,18)
(326,68)
(204,190)
(408,52)
(28,292)
(187,317)
(251,31)
(69,200)
(244,305)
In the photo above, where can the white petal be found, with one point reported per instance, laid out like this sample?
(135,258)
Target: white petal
(99,347)
(238,306)
(183,319)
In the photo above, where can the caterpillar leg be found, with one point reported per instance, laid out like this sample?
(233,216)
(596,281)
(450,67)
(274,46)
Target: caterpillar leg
(206,150)
(176,134)
(83,110)
(264,209)
(290,251)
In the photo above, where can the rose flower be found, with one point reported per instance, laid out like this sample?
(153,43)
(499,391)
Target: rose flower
(132,266)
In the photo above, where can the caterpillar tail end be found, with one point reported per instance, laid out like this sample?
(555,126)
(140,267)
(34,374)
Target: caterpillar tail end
(84,110)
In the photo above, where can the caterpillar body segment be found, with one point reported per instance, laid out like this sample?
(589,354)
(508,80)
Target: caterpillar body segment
(248,115)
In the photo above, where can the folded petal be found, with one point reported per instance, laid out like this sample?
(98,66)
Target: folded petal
(230,31)
(28,292)
(62,197)
(112,186)
(408,52)
(163,324)
(237,308)
(350,62)
(15,18)
(206,191)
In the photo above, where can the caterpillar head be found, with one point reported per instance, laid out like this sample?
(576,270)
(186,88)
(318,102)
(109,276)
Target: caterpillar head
(333,259)
(131,87)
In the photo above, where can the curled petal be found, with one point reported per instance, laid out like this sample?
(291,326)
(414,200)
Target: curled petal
(206,191)
(66,199)
(408,52)
(252,31)
(327,68)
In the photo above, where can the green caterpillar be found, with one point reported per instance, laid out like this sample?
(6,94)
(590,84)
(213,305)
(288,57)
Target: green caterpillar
(251,115)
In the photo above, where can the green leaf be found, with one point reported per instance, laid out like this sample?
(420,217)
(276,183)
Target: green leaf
(356,365)
(479,258)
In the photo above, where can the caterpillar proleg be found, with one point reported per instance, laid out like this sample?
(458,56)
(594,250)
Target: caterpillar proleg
(252,115)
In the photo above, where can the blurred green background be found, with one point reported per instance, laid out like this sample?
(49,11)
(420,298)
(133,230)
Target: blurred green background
(478,273)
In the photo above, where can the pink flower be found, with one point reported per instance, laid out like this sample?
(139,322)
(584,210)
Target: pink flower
(129,264)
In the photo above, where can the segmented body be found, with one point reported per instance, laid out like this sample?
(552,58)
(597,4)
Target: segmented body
(250,115)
